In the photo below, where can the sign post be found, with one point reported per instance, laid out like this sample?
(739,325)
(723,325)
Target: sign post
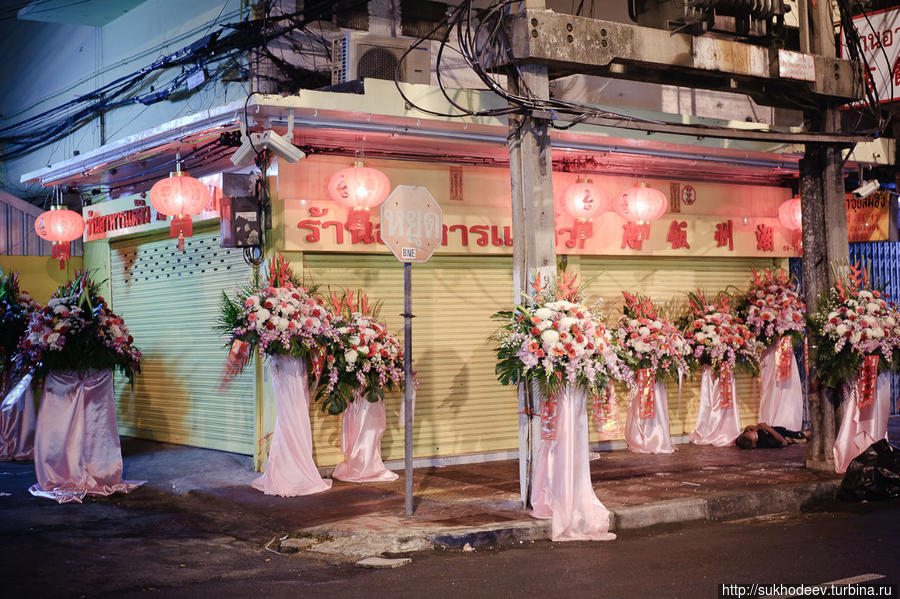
(411,228)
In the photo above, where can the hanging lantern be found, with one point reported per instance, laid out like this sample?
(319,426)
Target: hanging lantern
(359,188)
(641,204)
(179,196)
(583,201)
(60,226)
(790,214)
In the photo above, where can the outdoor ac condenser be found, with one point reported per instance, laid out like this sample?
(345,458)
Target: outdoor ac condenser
(361,55)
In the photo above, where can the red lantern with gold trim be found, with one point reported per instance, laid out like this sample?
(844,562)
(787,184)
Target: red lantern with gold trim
(583,200)
(359,188)
(59,226)
(641,204)
(179,196)
(790,214)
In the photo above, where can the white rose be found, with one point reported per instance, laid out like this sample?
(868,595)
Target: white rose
(263,315)
(872,307)
(876,333)
(889,321)
(282,324)
(841,329)
(644,331)
(566,322)
(549,337)
(833,315)
(700,337)
(60,308)
(633,323)
(350,356)
(855,337)
(353,340)
(543,313)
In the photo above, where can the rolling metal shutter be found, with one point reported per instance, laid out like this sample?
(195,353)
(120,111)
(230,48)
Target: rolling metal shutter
(666,280)
(170,302)
(460,406)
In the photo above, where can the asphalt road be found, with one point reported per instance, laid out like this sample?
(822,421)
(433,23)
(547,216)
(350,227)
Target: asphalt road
(196,550)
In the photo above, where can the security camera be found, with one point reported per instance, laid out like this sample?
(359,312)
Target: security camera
(866,189)
(253,143)
(267,140)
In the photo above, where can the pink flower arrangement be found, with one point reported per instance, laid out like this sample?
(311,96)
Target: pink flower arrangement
(555,339)
(76,330)
(773,307)
(854,320)
(718,337)
(649,340)
(281,318)
(365,356)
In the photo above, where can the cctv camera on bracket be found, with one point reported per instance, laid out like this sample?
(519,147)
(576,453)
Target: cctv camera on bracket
(254,143)
(866,188)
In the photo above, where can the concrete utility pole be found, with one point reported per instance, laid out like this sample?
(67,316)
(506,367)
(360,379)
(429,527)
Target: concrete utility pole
(824,237)
(534,233)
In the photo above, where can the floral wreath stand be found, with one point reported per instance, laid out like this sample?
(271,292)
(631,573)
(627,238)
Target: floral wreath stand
(17,422)
(647,426)
(362,429)
(866,410)
(780,390)
(77,451)
(718,421)
(562,489)
(290,469)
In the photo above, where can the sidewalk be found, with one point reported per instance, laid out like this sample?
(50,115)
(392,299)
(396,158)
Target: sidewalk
(475,504)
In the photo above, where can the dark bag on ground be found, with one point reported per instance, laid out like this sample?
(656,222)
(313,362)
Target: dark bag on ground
(874,474)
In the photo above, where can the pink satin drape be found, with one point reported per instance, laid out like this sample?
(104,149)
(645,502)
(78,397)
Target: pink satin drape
(362,428)
(860,427)
(649,435)
(780,402)
(290,469)
(76,448)
(562,489)
(17,421)
(715,425)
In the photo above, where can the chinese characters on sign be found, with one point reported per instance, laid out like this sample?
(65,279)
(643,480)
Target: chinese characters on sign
(765,238)
(724,235)
(633,235)
(678,235)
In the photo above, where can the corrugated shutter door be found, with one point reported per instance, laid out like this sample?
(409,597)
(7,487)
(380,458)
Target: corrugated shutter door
(170,301)
(666,280)
(460,406)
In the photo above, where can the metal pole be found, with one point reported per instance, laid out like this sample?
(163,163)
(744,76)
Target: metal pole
(408,387)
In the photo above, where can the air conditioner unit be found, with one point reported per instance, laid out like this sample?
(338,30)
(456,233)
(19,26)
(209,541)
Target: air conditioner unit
(361,55)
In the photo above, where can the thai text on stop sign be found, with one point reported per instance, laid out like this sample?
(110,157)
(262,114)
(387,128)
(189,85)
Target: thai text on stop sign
(412,225)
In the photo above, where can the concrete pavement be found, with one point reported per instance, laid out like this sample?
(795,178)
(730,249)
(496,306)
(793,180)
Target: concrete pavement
(463,506)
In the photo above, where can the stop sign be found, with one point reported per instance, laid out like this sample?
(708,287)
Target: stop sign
(411,223)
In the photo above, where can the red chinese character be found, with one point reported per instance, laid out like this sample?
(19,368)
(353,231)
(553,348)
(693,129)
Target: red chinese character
(725,235)
(633,235)
(765,238)
(678,235)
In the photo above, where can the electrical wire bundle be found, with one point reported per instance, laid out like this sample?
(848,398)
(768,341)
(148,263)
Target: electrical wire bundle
(482,41)
(216,52)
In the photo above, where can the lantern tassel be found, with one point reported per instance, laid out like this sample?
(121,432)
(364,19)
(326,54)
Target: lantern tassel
(180,242)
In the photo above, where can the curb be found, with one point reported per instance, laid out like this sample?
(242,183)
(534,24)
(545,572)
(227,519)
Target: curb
(789,498)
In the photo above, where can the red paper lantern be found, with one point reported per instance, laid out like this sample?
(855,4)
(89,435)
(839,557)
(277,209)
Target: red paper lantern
(641,204)
(790,214)
(359,188)
(583,201)
(60,226)
(179,196)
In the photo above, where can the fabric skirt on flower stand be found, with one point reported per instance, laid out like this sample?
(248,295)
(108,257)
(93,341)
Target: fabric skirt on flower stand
(780,391)
(17,421)
(718,422)
(562,489)
(863,422)
(362,428)
(76,446)
(647,427)
(290,469)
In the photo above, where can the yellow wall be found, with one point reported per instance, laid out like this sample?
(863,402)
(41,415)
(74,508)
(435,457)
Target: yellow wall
(40,275)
